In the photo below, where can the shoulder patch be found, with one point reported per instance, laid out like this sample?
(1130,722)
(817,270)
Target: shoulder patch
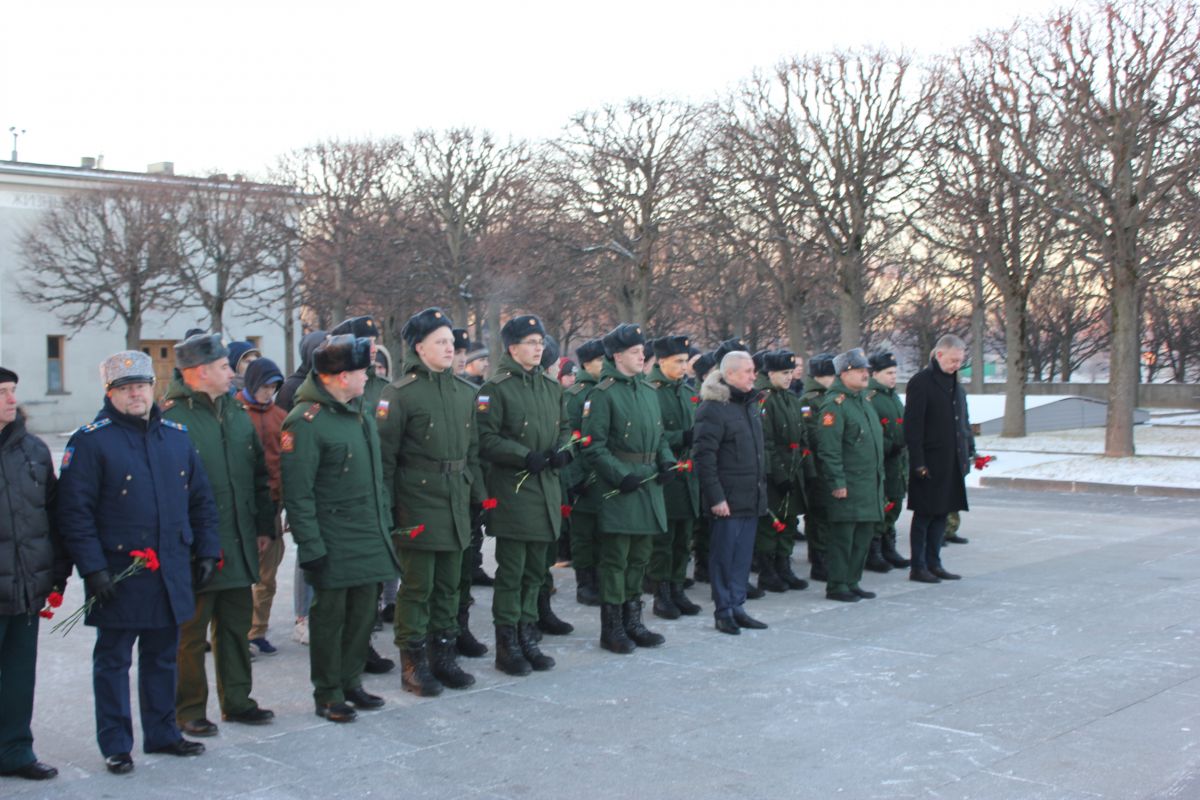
(287,442)
(587,407)
(827,419)
(92,427)
(606,384)
(170,423)
(483,403)
(501,378)
(839,399)
(656,384)
(576,388)
(68,454)
(167,405)
(312,411)
(381,410)
(871,394)
(405,381)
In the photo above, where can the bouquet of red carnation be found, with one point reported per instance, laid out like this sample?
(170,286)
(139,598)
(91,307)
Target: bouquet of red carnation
(53,601)
(142,560)
(982,461)
(490,503)
(415,532)
(687,465)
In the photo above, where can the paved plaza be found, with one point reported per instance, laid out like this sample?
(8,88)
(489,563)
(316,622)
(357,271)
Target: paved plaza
(1065,665)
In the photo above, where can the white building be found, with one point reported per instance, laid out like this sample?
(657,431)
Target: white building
(59,368)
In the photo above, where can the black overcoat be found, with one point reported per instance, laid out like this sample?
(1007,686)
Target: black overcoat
(937,432)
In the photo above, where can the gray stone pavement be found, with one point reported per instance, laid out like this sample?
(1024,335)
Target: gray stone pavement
(1065,665)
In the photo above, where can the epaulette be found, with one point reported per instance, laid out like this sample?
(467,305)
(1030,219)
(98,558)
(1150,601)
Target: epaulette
(656,384)
(474,388)
(170,423)
(605,384)
(312,411)
(405,381)
(95,426)
(168,405)
(839,399)
(871,394)
(576,388)
(501,378)
(547,377)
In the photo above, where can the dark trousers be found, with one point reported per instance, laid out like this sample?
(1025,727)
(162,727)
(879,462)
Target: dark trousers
(111,660)
(231,612)
(18,663)
(520,573)
(472,559)
(816,531)
(730,550)
(339,631)
(846,547)
(669,559)
(925,539)
(428,598)
(583,540)
(623,560)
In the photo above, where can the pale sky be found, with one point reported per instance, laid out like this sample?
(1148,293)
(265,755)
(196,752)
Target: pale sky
(228,86)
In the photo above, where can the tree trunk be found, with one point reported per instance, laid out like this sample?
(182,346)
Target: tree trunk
(133,331)
(796,333)
(1015,322)
(977,332)
(850,300)
(1124,366)
(496,346)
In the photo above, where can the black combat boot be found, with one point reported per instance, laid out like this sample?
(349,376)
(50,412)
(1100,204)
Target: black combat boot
(768,579)
(783,566)
(612,630)
(682,602)
(700,571)
(585,587)
(529,648)
(377,664)
(890,553)
(467,644)
(817,572)
(664,602)
(548,621)
(415,675)
(875,560)
(443,649)
(509,658)
(631,617)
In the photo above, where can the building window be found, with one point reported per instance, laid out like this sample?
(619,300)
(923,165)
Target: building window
(55,351)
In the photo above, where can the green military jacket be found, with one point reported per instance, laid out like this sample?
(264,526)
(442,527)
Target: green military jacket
(237,471)
(817,488)
(895,453)
(578,476)
(623,417)
(850,446)
(678,402)
(430,453)
(333,490)
(373,391)
(788,451)
(518,412)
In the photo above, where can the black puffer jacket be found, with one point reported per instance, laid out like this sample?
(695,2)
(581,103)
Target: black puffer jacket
(727,448)
(32,560)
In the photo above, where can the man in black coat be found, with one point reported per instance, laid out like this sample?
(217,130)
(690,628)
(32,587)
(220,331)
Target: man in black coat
(731,466)
(937,432)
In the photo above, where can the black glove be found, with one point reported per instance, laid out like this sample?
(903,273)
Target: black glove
(203,572)
(665,474)
(535,462)
(476,515)
(922,472)
(316,566)
(561,458)
(630,483)
(100,586)
(687,437)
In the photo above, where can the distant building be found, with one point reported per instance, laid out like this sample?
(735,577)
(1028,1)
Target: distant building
(59,371)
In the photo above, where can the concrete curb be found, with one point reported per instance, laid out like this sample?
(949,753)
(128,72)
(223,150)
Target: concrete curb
(1033,484)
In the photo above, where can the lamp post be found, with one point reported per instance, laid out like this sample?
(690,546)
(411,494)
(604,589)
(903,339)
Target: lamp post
(15,133)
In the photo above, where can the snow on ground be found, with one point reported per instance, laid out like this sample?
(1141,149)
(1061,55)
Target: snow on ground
(1137,471)
(1149,440)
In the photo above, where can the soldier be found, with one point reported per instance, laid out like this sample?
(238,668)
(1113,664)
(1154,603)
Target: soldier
(234,462)
(882,394)
(462,343)
(579,480)
(850,445)
(522,433)
(476,366)
(133,481)
(816,383)
(431,467)
(668,561)
(365,328)
(631,457)
(339,513)
(789,459)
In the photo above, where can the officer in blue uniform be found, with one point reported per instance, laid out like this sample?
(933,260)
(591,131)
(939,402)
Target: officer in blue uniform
(131,480)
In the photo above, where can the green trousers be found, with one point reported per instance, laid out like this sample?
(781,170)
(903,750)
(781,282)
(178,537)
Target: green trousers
(890,517)
(583,539)
(520,573)
(816,530)
(18,665)
(770,543)
(671,551)
(339,632)
(953,521)
(623,560)
(230,612)
(428,598)
(846,553)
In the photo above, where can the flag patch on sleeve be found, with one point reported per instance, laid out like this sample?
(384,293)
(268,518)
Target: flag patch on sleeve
(483,403)
(287,442)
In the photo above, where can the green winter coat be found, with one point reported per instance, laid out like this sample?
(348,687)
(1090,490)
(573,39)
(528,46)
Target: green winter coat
(518,412)
(850,446)
(623,417)
(373,391)
(789,453)
(237,470)
(337,504)
(578,476)
(817,488)
(430,451)
(895,453)
(678,402)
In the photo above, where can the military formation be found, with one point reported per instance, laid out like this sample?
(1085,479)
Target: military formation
(394,482)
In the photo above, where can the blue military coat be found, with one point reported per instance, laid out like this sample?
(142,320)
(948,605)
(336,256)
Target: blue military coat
(127,484)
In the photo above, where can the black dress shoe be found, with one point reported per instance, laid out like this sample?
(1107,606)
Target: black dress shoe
(944,575)
(199,727)
(725,624)
(923,576)
(842,597)
(119,764)
(863,593)
(251,716)
(364,699)
(180,747)
(954,538)
(336,712)
(33,771)
(744,620)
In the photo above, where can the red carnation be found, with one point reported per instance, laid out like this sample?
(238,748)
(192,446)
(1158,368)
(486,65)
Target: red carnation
(221,562)
(417,531)
(695,399)
(884,420)
(778,526)
(46,613)
(899,420)
(585,441)
(54,600)
(576,434)
(566,510)
(490,503)
(889,506)
(148,557)
(794,446)
(806,452)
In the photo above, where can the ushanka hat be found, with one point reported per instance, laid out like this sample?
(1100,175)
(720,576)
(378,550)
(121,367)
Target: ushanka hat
(343,353)
(203,348)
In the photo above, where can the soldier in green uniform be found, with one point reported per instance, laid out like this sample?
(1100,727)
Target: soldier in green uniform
(580,480)
(365,328)
(522,435)
(631,457)
(816,520)
(701,366)
(789,459)
(338,508)
(882,394)
(430,459)
(850,447)
(233,458)
(668,561)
